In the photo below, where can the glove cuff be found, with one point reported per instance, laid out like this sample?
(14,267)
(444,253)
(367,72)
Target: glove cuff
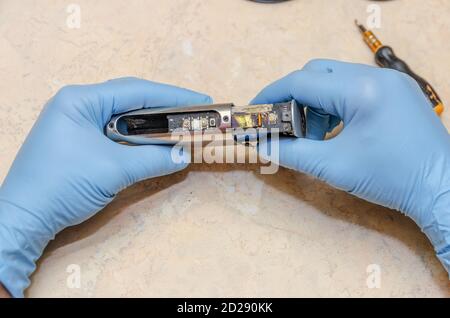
(438,229)
(22,242)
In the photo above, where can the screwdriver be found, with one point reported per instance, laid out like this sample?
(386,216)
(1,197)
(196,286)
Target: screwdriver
(385,57)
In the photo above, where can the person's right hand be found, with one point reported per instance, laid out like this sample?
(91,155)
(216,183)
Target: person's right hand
(393,150)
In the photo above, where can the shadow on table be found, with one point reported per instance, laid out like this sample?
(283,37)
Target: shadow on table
(344,207)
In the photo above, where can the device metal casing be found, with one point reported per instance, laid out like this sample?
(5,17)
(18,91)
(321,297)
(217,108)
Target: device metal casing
(224,110)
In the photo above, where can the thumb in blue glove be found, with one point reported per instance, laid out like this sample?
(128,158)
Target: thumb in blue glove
(67,170)
(393,150)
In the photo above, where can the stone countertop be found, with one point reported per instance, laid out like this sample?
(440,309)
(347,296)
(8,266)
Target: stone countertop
(220,230)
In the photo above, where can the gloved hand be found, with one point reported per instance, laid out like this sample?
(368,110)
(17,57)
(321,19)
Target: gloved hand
(67,169)
(393,149)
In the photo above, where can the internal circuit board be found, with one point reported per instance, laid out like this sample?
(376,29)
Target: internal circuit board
(267,116)
(193,121)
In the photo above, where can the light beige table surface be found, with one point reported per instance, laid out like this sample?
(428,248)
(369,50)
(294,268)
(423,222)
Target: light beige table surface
(216,230)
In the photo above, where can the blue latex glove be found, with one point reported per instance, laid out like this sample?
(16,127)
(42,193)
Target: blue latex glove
(67,169)
(393,150)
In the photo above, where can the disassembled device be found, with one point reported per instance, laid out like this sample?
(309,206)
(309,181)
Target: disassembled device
(157,125)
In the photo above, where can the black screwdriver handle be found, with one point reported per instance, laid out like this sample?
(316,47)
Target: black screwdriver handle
(385,57)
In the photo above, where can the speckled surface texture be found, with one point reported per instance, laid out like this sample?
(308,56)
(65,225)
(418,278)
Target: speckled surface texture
(219,230)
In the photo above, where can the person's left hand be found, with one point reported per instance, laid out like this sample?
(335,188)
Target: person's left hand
(67,169)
